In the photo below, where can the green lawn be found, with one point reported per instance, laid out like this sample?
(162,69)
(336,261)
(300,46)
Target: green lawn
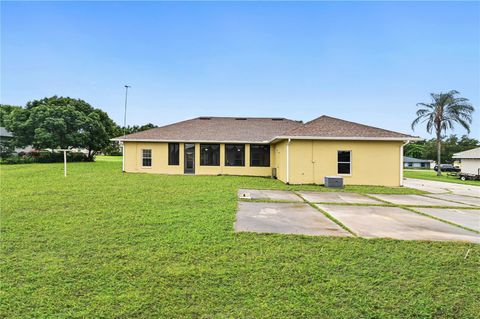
(432,176)
(99,244)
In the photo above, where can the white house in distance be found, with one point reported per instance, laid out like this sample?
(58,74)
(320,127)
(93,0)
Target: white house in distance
(5,135)
(469,161)
(411,162)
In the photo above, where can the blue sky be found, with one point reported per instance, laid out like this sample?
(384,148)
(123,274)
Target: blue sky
(366,62)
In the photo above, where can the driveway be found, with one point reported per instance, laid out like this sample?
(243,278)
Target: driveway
(442,187)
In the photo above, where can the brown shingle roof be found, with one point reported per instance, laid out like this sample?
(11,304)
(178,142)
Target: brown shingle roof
(330,127)
(218,129)
(261,130)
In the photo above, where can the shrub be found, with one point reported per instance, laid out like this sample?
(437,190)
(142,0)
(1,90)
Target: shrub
(45,157)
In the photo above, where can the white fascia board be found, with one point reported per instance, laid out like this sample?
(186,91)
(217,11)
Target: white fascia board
(276,139)
(340,138)
(186,141)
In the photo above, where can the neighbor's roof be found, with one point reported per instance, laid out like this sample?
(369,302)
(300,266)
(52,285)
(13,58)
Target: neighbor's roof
(407,159)
(326,127)
(218,129)
(5,133)
(262,130)
(473,153)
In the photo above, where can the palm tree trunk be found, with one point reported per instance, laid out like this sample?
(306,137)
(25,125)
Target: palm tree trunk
(439,151)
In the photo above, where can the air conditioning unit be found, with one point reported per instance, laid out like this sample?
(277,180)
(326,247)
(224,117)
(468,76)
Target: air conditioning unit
(333,181)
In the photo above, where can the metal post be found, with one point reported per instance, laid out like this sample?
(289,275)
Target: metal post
(124,128)
(65,163)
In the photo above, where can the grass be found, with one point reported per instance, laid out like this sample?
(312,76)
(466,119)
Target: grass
(106,245)
(431,175)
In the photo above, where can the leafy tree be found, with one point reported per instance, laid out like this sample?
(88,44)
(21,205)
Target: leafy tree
(61,122)
(451,145)
(136,128)
(441,114)
(5,110)
(414,149)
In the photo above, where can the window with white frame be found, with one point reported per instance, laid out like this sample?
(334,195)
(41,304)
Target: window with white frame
(147,158)
(344,160)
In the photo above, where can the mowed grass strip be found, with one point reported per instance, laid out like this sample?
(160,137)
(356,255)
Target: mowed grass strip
(104,244)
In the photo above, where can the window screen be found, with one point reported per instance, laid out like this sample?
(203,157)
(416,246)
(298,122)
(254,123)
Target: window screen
(173,154)
(234,154)
(210,154)
(259,155)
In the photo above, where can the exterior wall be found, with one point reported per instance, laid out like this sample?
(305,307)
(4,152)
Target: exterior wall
(281,160)
(372,163)
(470,165)
(133,161)
(133,158)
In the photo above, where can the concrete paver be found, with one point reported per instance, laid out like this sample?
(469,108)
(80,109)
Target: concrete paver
(417,200)
(285,218)
(468,200)
(397,223)
(465,217)
(268,195)
(442,187)
(337,197)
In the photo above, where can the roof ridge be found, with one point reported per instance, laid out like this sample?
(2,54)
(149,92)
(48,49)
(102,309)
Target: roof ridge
(242,117)
(346,121)
(366,125)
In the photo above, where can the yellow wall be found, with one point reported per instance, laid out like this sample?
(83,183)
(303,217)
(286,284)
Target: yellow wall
(372,162)
(133,161)
(133,158)
(281,160)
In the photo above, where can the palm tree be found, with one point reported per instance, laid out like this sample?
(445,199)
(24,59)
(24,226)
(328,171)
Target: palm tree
(442,113)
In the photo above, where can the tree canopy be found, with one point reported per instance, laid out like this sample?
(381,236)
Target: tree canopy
(452,144)
(59,122)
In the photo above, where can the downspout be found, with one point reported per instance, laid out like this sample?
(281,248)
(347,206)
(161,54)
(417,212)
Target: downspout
(288,161)
(401,162)
(123,157)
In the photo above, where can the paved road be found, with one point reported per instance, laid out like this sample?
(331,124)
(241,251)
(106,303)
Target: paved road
(442,187)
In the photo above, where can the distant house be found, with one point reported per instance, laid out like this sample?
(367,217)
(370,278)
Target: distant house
(6,135)
(292,151)
(469,161)
(410,162)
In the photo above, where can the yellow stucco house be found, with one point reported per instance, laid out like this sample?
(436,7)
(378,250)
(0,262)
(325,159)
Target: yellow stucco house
(292,151)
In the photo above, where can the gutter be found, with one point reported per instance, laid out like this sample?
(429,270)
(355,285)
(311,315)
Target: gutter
(340,138)
(288,161)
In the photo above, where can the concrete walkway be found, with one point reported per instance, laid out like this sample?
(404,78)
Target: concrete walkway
(442,187)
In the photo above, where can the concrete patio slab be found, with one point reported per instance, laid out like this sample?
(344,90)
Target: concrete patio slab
(397,223)
(465,217)
(468,200)
(266,194)
(285,218)
(337,197)
(416,200)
